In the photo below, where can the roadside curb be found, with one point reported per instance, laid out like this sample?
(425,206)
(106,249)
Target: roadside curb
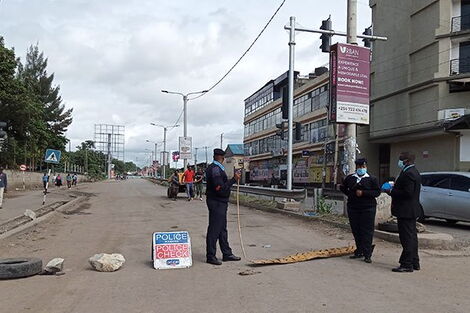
(21,223)
(426,240)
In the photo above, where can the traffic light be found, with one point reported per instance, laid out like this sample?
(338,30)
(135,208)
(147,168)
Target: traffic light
(367,42)
(326,38)
(3,134)
(285,103)
(298,131)
(280,131)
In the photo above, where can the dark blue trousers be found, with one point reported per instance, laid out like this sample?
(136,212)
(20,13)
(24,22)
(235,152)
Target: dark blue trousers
(217,229)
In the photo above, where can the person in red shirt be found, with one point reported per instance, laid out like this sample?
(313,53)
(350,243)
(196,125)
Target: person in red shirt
(188,178)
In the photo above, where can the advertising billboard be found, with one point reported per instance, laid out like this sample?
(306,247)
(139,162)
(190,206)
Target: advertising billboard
(349,84)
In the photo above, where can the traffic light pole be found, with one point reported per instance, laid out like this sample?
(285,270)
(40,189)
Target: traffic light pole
(350,143)
(291,101)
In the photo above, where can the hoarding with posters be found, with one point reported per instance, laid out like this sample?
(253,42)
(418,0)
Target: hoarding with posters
(349,84)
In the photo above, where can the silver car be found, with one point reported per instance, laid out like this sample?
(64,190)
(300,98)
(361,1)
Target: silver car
(446,195)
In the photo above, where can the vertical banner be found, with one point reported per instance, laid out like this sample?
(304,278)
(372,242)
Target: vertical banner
(185,147)
(349,84)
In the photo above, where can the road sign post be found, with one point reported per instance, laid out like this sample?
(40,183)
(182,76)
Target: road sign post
(171,250)
(52,156)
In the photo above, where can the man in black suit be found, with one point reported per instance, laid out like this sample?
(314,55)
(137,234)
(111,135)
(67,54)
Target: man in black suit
(362,189)
(407,208)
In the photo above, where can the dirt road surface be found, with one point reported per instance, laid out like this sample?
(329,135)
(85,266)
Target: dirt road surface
(121,216)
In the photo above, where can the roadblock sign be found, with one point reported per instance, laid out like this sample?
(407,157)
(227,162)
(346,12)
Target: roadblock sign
(171,250)
(52,156)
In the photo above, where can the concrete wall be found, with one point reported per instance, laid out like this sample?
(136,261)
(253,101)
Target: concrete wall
(32,179)
(432,154)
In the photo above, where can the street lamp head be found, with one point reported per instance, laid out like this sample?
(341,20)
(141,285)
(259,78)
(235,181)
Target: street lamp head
(164,91)
(147,140)
(204,91)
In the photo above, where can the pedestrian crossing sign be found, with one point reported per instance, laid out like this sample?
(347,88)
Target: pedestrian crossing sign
(52,156)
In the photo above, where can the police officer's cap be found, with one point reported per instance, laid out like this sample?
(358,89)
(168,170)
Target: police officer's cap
(361,161)
(219,152)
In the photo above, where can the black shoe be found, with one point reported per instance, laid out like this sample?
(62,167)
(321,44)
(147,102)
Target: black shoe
(231,258)
(356,256)
(402,269)
(416,267)
(214,261)
(367,260)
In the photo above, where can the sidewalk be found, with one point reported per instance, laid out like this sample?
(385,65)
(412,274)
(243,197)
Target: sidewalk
(16,202)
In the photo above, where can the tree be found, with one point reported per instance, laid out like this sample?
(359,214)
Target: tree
(35,77)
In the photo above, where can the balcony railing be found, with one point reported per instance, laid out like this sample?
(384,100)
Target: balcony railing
(460,23)
(459,66)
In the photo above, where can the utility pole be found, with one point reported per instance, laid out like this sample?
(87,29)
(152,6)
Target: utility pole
(185,116)
(350,142)
(222,141)
(164,152)
(205,148)
(195,157)
(291,101)
(109,156)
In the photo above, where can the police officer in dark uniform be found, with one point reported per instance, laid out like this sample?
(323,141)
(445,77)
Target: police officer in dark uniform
(218,193)
(361,189)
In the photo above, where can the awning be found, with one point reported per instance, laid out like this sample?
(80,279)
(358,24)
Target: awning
(459,124)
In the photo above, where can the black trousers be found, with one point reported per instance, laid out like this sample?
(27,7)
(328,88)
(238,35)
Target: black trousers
(217,229)
(409,242)
(362,226)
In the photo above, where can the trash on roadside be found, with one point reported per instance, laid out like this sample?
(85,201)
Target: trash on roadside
(248,272)
(252,245)
(310,213)
(29,213)
(54,266)
(266,246)
(104,262)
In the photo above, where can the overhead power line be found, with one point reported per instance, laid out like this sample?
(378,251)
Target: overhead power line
(244,53)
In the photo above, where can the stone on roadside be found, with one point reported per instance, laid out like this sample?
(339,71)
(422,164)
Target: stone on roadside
(29,213)
(104,262)
(55,265)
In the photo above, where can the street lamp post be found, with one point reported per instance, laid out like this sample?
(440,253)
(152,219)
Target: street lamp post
(165,129)
(185,117)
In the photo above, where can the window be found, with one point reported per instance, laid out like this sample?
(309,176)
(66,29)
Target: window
(460,183)
(437,181)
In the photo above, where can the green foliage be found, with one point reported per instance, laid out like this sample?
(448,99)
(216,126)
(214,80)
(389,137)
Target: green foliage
(323,207)
(32,106)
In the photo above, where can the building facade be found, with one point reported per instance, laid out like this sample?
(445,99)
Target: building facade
(420,86)
(264,148)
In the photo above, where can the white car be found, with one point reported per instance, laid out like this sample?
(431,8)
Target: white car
(446,195)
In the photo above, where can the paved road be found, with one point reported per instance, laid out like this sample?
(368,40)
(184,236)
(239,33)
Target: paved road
(121,216)
(460,231)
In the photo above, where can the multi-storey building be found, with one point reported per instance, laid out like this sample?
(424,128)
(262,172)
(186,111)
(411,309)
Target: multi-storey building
(266,151)
(420,91)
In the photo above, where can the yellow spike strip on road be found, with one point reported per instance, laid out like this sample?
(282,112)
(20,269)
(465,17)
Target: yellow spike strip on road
(309,255)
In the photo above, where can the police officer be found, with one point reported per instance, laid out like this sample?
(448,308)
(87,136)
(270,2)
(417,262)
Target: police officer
(218,193)
(361,189)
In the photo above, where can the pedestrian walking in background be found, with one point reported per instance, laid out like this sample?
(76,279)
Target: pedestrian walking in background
(217,196)
(58,180)
(199,183)
(361,188)
(188,178)
(74,179)
(54,177)
(3,185)
(407,208)
(68,178)
(45,180)
(174,185)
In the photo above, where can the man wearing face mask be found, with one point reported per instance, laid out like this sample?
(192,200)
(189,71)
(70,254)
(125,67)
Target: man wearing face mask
(361,190)
(406,207)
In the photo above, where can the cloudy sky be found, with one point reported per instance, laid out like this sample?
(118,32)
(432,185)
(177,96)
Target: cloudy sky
(112,58)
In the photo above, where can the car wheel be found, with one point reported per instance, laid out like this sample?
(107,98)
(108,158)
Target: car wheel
(451,221)
(19,267)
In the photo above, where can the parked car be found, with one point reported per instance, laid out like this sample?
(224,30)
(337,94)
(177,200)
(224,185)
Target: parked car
(446,195)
